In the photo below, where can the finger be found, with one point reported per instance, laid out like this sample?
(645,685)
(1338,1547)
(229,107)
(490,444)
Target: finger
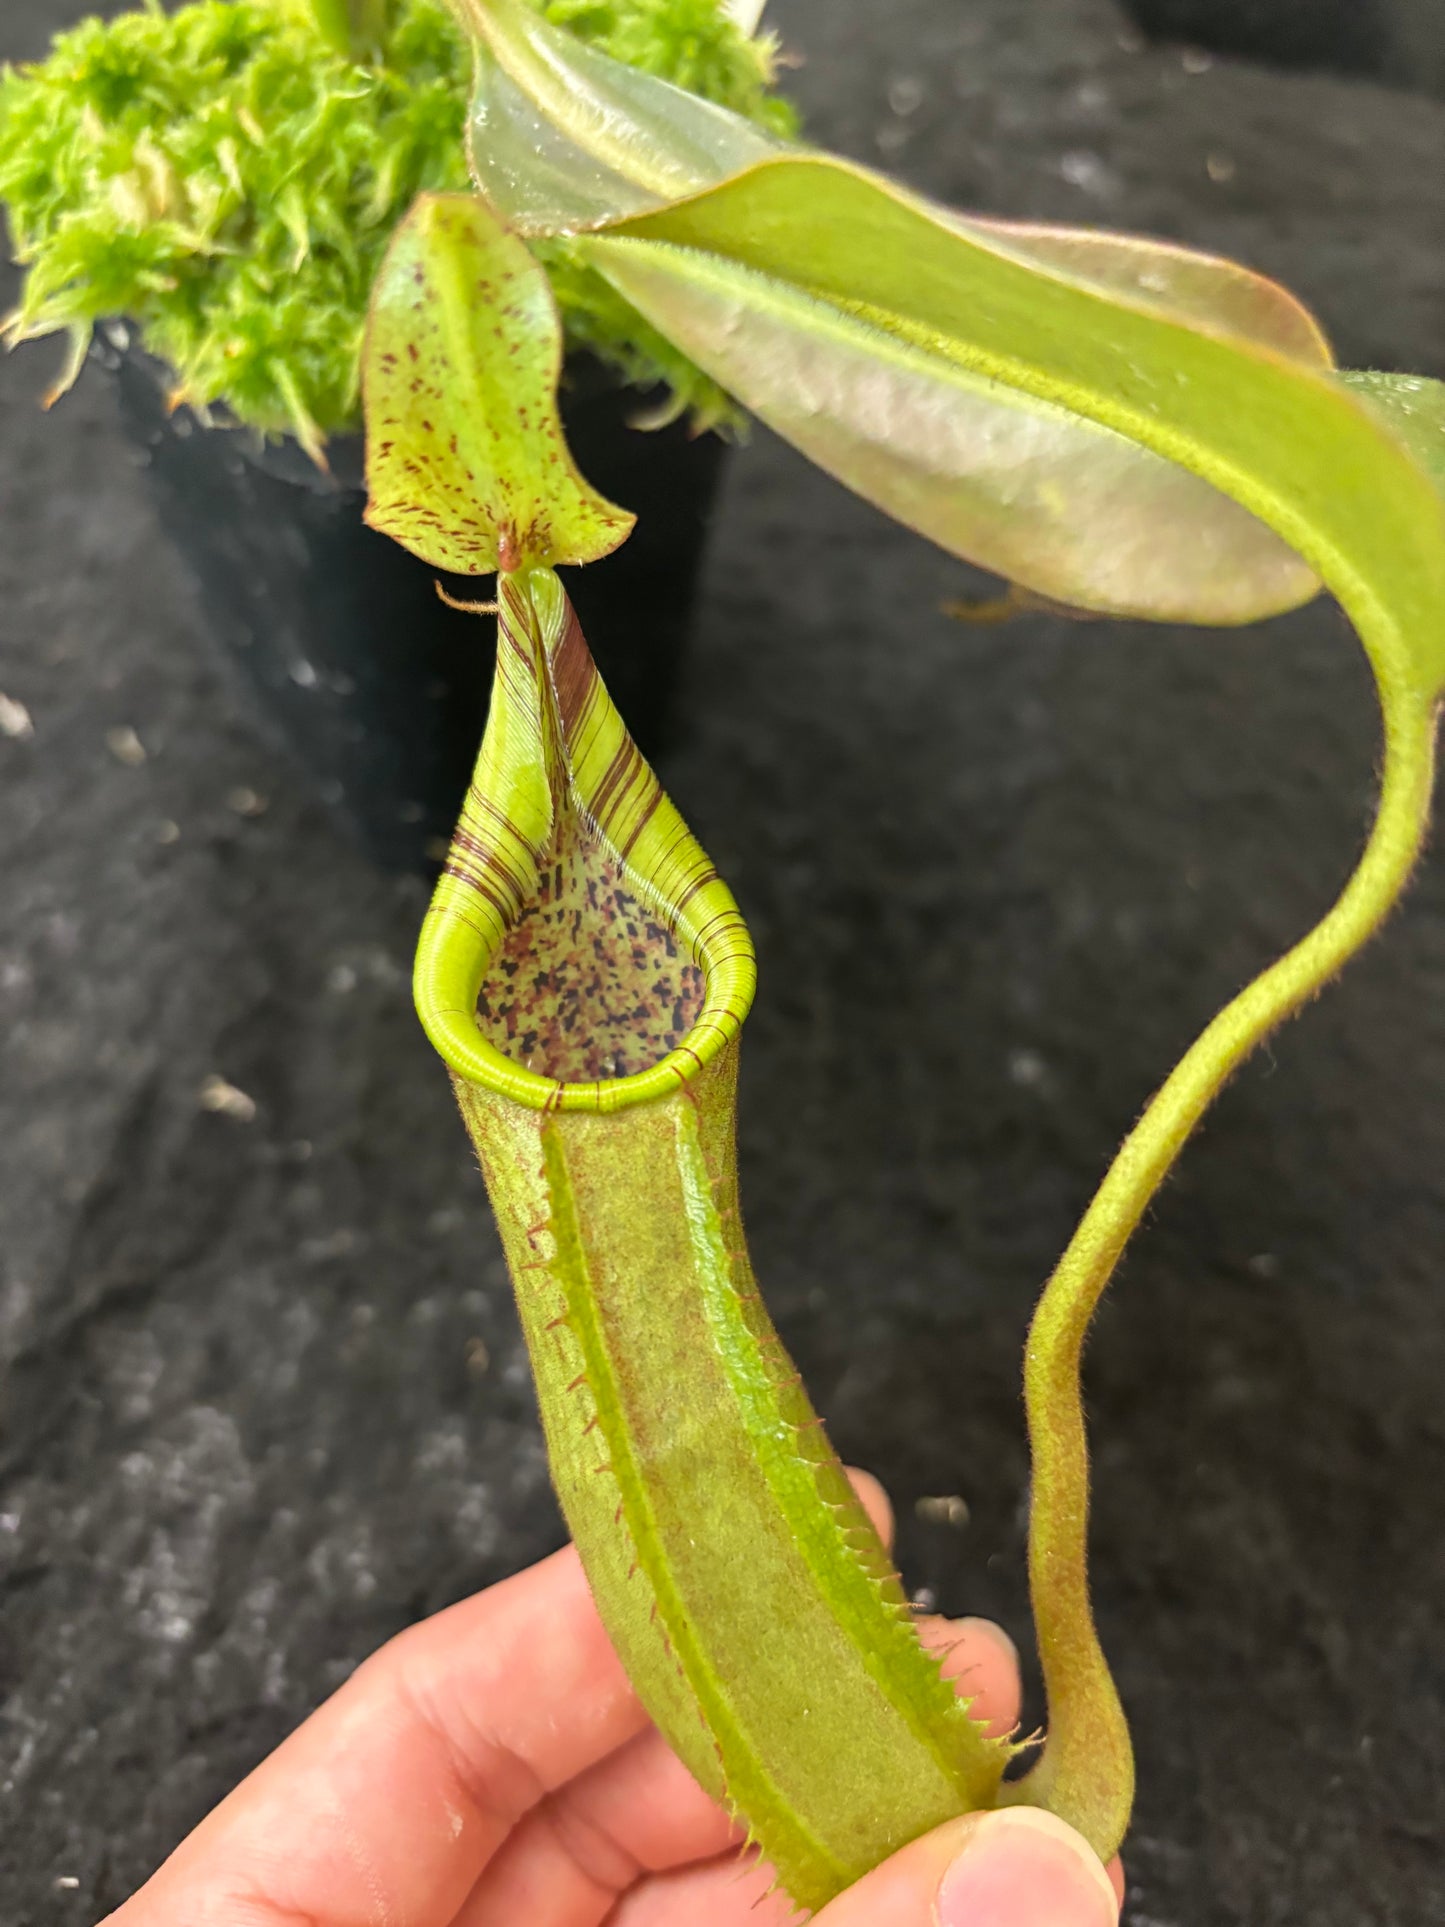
(388,1802)
(1027,1892)
(978,1657)
(875,1502)
(640,1812)
(1017,1867)
(983,1664)
(635,1813)
(735,1890)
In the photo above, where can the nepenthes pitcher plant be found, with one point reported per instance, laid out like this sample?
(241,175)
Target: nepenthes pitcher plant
(1115,425)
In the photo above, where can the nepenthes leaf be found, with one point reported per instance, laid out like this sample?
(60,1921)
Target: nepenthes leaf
(576,144)
(1412,407)
(1279,435)
(1290,443)
(926,363)
(1110,427)
(465,458)
(561,137)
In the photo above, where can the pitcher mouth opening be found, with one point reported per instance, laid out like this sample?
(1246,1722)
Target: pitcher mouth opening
(580,952)
(593,1000)
(591,987)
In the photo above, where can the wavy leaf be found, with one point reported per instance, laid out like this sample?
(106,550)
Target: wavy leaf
(811,246)
(466,464)
(565,140)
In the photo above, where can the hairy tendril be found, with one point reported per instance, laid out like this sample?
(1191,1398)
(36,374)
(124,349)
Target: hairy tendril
(1087,1769)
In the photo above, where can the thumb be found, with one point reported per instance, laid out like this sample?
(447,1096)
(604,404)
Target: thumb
(1018,1867)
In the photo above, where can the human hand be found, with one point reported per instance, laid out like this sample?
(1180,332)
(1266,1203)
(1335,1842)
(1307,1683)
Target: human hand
(492,1767)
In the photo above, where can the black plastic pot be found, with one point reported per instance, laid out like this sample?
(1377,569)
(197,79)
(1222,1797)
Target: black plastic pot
(352,661)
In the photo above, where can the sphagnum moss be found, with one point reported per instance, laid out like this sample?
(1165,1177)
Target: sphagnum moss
(228,179)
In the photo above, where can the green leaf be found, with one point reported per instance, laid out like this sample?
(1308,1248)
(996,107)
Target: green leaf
(561,136)
(1099,451)
(466,463)
(564,137)
(1412,407)
(943,437)
(566,140)
(1207,290)
(853,290)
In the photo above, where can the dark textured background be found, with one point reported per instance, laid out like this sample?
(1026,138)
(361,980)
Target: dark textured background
(1402,41)
(998,879)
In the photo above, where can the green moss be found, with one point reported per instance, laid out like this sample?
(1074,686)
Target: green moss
(227,179)
(689,42)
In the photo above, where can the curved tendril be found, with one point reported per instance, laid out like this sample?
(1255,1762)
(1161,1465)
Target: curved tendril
(1086,1773)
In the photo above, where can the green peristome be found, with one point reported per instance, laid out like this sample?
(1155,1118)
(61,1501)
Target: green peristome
(584,971)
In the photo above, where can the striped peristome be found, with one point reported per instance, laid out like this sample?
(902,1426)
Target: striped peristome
(556,752)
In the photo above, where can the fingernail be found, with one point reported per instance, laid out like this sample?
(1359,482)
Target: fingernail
(1023,1868)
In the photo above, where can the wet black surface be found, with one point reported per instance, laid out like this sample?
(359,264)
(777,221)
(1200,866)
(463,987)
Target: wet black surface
(1402,41)
(998,879)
